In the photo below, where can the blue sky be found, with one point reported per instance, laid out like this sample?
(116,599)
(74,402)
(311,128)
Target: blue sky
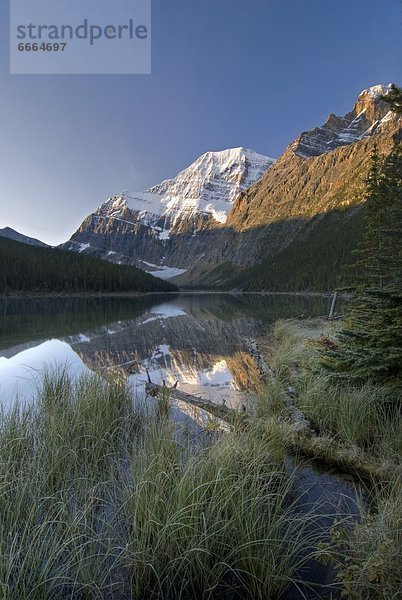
(225,73)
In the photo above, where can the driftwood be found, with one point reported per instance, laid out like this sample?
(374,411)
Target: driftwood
(154,390)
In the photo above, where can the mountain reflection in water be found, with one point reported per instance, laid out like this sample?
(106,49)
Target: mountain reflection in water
(199,340)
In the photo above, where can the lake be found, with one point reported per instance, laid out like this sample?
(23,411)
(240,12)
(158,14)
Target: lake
(199,340)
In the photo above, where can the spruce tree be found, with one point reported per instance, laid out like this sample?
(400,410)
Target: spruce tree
(369,344)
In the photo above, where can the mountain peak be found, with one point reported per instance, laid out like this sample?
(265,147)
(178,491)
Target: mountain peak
(11,234)
(197,199)
(237,152)
(365,119)
(375,91)
(369,102)
(217,176)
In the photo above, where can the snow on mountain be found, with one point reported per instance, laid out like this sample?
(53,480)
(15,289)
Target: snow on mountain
(191,223)
(209,187)
(136,227)
(375,91)
(367,116)
(217,176)
(161,271)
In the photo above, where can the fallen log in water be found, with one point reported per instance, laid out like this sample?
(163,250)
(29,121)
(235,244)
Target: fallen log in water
(221,411)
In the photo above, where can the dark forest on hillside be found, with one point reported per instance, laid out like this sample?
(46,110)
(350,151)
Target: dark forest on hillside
(315,262)
(26,268)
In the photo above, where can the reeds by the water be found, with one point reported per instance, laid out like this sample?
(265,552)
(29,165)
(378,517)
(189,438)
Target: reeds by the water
(100,498)
(359,416)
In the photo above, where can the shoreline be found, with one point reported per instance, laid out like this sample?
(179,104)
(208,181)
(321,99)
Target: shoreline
(47,295)
(42,295)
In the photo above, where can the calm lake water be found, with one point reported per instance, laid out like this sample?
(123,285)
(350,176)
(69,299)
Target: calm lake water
(199,340)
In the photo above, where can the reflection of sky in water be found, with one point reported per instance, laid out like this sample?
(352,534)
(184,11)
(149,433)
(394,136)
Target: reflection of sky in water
(20,375)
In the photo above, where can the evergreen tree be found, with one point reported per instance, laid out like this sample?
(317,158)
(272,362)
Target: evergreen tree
(394,98)
(369,345)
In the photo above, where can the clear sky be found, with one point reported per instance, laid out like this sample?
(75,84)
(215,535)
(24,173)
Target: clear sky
(225,73)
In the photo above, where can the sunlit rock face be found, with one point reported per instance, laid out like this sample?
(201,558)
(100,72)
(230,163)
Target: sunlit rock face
(366,118)
(314,188)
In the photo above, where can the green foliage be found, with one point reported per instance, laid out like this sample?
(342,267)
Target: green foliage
(369,345)
(357,415)
(357,425)
(358,428)
(26,268)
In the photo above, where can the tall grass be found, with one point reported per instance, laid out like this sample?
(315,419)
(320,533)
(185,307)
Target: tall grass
(359,415)
(100,498)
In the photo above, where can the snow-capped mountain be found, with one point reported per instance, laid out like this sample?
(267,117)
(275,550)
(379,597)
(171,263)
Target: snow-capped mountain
(207,187)
(11,234)
(234,210)
(135,228)
(217,176)
(366,118)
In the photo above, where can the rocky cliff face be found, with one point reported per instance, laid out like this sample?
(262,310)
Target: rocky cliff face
(217,177)
(233,211)
(159,229)
(364,120)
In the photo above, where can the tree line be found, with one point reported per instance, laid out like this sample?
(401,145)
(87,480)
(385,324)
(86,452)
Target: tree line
(26,268)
